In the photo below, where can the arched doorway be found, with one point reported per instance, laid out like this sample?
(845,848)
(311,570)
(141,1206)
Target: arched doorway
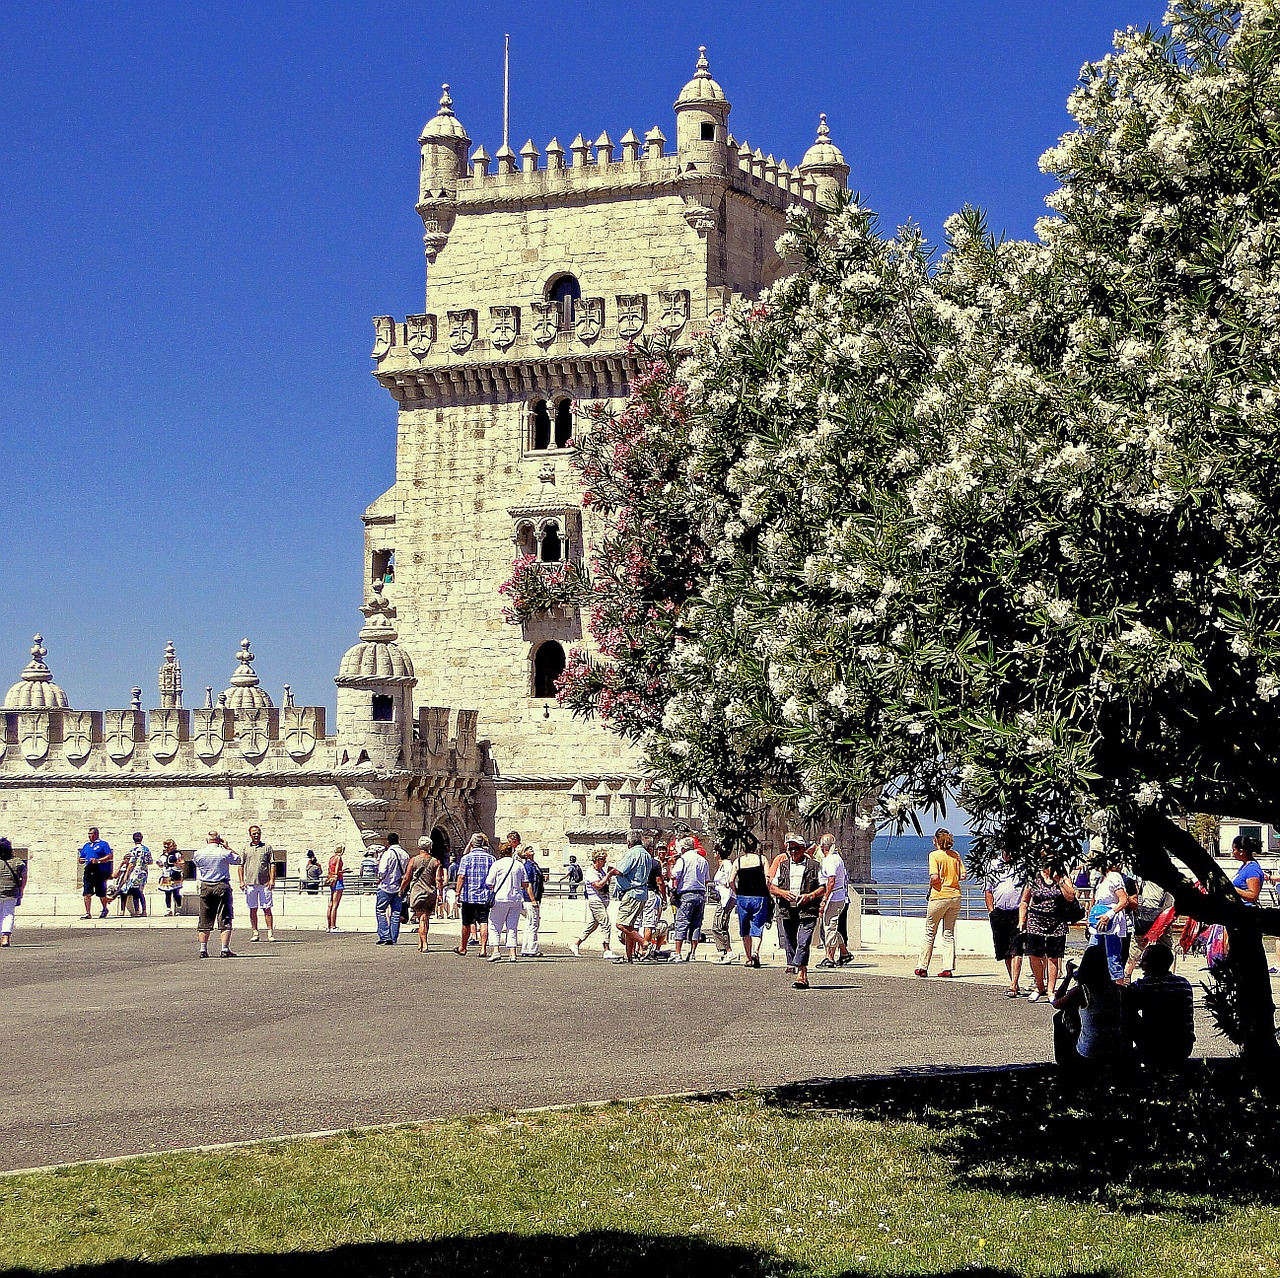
(440,845)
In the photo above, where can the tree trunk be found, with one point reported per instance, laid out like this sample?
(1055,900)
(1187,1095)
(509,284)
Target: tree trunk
(1157,840)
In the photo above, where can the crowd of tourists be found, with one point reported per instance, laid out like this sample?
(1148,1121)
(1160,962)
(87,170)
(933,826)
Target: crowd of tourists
(1103,1015)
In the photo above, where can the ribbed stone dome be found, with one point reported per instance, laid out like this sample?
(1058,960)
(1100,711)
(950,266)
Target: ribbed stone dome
(245,692)
(823,153)
(36,689)
(444,126)
(377,656)
(702,88)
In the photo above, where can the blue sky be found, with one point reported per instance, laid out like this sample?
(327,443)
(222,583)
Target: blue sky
(202,207)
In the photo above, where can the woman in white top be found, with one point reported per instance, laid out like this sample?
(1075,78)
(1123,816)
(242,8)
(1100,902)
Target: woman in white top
(509,883)
(1109,919)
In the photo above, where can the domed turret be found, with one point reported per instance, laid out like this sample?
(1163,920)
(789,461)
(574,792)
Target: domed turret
(375,692)
(36,689)
(702,121)
(445,147)
(244,693)
(825,164)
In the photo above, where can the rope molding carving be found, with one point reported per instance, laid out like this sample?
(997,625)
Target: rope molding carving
(122,780)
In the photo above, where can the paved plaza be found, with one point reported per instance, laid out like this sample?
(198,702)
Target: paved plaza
(122,1042)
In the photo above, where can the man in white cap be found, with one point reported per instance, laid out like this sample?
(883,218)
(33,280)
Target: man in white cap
(799,895)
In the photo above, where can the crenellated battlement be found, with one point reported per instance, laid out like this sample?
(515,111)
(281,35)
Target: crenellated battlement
(592,169)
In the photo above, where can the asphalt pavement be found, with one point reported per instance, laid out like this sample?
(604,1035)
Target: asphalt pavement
(123,1042)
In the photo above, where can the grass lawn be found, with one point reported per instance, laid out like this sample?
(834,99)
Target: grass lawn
(1002,1173)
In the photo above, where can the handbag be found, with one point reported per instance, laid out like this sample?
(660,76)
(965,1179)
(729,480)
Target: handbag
(1071,911)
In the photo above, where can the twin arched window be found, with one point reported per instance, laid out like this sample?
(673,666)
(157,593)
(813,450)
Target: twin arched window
(551,425)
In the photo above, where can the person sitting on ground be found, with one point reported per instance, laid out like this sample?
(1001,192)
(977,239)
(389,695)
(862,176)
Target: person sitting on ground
(1158,1011)
(1090,992)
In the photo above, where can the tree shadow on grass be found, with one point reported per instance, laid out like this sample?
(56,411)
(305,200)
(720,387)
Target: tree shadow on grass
(1198,1141)
(597,1254)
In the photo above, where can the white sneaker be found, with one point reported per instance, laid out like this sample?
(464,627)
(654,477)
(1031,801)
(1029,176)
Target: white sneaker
(1034,996)
(676,958)
(575,948)
(609,954)
(253,936)
(336,930)
(725,958)
(271,936)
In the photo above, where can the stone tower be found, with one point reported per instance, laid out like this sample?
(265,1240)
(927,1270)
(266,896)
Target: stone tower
(541,275)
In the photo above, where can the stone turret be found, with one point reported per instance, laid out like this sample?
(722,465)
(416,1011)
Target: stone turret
(375,693)
(36,690)
(824,163)
(245,692)
(702,121)
(445,148)
(170,680)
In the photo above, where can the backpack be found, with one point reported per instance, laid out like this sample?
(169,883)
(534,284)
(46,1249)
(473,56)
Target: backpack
(575,873)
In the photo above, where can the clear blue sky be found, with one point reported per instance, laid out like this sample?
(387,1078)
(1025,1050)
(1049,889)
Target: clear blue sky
(202,206)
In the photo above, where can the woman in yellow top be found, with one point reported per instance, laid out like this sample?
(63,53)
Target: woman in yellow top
(946,869)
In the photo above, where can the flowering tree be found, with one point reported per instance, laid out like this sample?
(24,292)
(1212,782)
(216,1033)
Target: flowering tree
(1006,527)
(1001,525)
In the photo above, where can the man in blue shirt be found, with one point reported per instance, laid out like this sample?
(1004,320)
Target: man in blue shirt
(631,887)
(97,858)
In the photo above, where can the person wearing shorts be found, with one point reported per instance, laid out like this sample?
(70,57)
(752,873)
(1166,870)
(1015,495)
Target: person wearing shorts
(98,861)
(630,880)
(1043,922)
(336,884)
(595,886)
(213,880)
(257,881)
(473,894)
(1003,895)
(750,882)
(689,884)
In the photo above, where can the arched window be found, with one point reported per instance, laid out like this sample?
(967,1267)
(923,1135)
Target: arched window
(552,549)
(540,429)
(548,666)
(564,423)
(565,290)
(440,845)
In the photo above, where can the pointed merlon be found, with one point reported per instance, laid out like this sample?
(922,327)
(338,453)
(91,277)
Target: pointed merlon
(604,149)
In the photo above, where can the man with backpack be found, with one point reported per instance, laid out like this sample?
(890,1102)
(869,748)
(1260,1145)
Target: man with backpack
(573,876)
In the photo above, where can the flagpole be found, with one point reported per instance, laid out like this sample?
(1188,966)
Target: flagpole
(506,93)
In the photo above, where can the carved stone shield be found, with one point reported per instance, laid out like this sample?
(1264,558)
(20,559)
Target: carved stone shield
(633,310)
(504,325)
(119,734)
(166,734)
(462,330)
(300,734)
(673,309)
(77,735)
(588,320)
(384,335)
(209,734)
(33,736)
(546,322)
(420,334)
(252,733)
